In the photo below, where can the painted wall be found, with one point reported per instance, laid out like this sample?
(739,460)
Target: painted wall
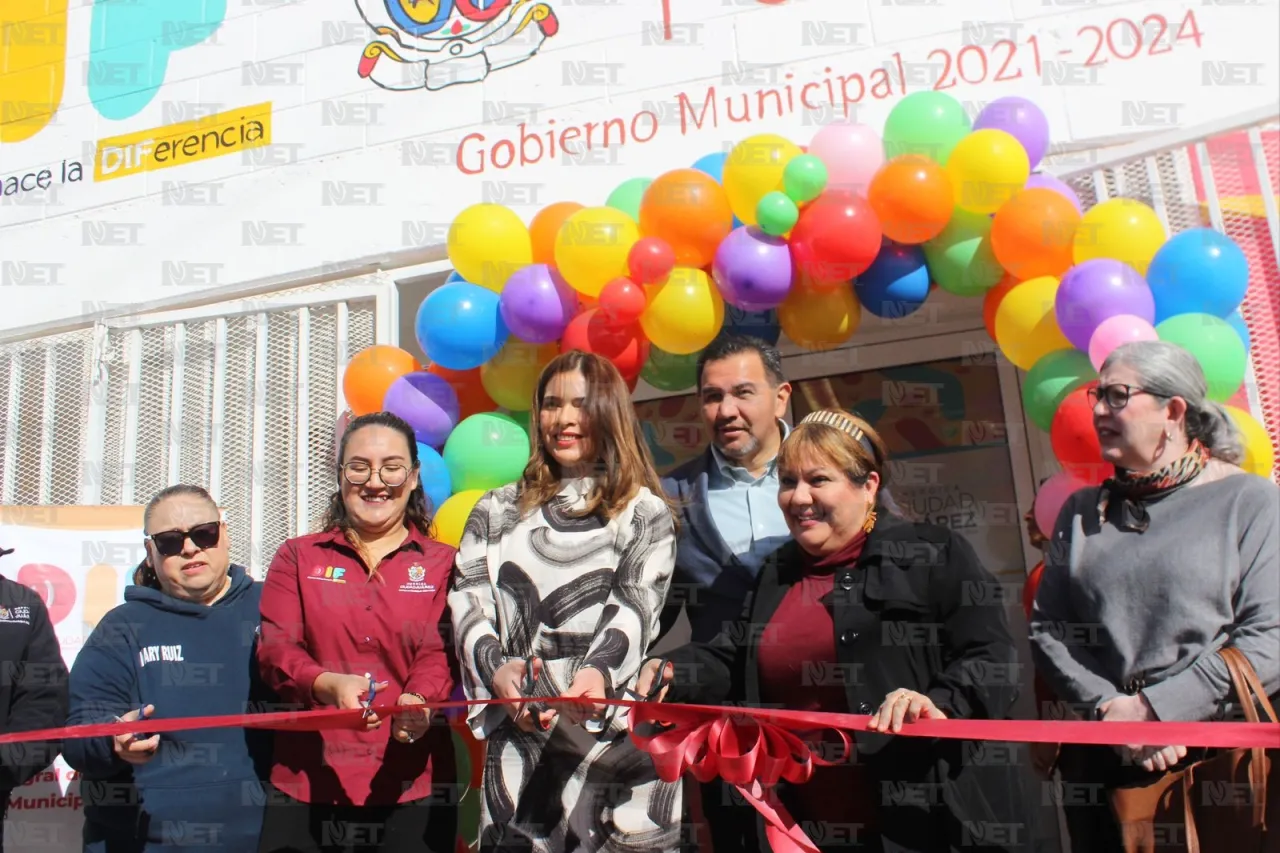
(152,148)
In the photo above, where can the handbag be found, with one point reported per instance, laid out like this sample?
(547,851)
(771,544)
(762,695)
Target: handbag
(1217,804)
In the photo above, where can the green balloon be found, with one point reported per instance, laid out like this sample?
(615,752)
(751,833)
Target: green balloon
(928,123)
(961,259)
(628,195)
(777,214)
(1049,382)
(486,451)
(1215,344)
(668,372)
(804,178)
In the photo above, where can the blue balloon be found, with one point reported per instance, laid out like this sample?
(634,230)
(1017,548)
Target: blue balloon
(713,165)
(1201,271)
(454,278)
(897,282)
(1236,319)
(459,326)
(758,324)
(434,475)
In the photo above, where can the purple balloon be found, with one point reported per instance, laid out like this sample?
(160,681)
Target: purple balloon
(427,403)
(1048,182)
(537,304)
(752,270)
(1098,290)
(1021,119)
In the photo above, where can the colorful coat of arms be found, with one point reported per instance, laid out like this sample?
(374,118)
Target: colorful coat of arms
(433,44)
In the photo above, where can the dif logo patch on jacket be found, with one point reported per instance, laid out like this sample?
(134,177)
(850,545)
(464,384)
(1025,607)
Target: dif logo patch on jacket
(332,574)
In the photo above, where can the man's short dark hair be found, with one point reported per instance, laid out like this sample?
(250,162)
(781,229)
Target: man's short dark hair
(731,344)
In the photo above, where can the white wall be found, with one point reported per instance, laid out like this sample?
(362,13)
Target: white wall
(355,170)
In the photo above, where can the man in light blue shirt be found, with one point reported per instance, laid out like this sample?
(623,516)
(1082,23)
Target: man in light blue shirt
(728,495)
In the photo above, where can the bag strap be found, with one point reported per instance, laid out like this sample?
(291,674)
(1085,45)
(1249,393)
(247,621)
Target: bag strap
(1248,689)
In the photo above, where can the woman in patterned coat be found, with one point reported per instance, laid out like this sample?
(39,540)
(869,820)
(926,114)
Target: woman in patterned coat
(559,584)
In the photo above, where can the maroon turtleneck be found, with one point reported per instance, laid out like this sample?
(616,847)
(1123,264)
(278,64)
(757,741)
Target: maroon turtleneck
(799,670)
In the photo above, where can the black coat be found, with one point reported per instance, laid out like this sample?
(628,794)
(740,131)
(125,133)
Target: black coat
(918,611)
(33,684)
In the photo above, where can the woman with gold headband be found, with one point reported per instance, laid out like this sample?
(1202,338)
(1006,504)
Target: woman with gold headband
(868,613)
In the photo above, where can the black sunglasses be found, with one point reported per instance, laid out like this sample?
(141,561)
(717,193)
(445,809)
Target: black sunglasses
(1116,396)
(170,542)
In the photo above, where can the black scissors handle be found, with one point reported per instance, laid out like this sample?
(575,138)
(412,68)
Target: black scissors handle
(535,709)
(660,683)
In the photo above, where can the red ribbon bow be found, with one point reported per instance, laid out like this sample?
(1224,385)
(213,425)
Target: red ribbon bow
(750,753)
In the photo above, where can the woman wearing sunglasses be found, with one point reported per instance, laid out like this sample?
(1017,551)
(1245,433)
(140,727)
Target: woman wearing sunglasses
(182,645)
(1149,575)
(355,616)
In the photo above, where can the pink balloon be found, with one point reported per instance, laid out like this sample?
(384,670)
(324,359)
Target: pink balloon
(1052,497)
(1117,330)
(852,153)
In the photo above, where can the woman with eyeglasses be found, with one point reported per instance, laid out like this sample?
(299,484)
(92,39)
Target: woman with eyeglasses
(181,645)
(559,588)
(355,616)
(1146,577)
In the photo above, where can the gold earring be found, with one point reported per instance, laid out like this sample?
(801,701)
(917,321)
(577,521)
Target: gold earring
(870,523)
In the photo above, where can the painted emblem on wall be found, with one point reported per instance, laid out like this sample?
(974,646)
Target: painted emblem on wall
(434,44)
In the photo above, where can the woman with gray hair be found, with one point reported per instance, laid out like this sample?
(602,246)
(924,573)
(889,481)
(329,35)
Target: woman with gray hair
(1148,576)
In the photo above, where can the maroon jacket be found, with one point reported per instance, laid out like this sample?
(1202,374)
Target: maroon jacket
(322,612)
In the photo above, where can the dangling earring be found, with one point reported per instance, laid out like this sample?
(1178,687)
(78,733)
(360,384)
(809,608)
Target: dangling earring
(870,523)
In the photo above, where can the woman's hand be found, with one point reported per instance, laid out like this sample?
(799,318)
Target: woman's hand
(903,706)
(590,684)
(508,683)
(348,692)
(128,747)
(1136,709)
(649,675)
(412,723)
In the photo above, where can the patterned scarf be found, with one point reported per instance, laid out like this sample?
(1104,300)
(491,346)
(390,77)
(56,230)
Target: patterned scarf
(1134,490)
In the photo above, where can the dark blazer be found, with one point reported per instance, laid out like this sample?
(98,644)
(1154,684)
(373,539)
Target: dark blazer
(710,583)
(926,625)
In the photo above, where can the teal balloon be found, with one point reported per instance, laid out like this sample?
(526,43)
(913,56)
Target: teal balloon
(668,372)
(1216,345)
(486,451)
(777,214)
(1050,380)
(961,259)
(804,178)
(926,123)
(627,196)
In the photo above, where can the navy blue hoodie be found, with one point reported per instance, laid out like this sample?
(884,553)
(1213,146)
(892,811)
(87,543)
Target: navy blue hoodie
(202,788)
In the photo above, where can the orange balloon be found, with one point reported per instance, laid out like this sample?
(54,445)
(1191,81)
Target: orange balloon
(913,197)
(544,228)
(370,373)
(472,398)
(690,211)
(991,302)
(1033,233)
(820,319)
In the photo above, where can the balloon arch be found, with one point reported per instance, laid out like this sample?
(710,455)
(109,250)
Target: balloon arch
(771,238)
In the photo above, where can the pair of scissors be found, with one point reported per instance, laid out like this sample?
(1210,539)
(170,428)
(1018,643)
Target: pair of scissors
(373,694)
(530,688)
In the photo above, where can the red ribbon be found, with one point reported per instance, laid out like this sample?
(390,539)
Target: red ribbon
(751,748)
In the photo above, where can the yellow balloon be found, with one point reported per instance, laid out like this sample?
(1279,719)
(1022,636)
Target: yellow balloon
(1121,229)
(592,247)
(753,169)
(685,312)
(1027,324)
(511,376)
(1259,451)
(487,243)
(987,167)
(451,518)
(819,318)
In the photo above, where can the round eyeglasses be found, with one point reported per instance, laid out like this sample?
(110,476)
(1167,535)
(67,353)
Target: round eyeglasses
(359,473)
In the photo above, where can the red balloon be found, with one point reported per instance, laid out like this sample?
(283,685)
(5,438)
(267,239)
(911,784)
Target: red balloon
(836,238)
(625,346)
(1075,443)
(650,260)
(623,301)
